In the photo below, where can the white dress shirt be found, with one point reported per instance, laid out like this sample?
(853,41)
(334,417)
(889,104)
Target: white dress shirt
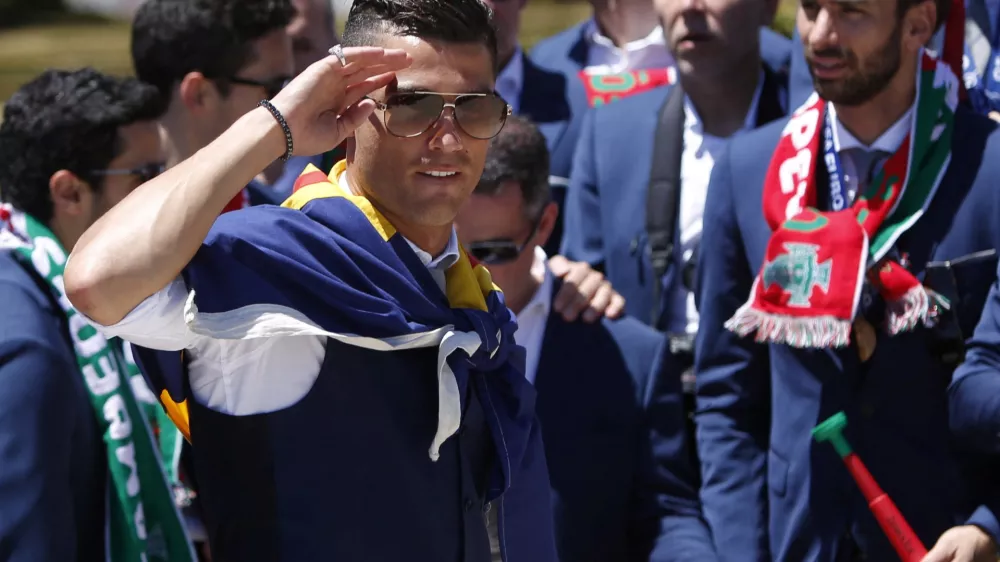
(241,376)
(697,161)
(604,57)
(510,81)
(844,142)
(533,318)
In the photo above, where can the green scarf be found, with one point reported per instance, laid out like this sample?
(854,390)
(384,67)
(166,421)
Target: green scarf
(143,524)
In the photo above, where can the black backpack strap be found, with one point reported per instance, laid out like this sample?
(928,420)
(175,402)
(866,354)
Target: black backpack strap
(664,193)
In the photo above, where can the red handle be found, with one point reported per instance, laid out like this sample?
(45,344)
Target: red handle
(900,534)
(902,537)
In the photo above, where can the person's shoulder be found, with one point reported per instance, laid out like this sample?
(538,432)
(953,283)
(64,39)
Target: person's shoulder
(775,50)
(753,146)
(29,311)
(633,335)
(554,49)
(33,332)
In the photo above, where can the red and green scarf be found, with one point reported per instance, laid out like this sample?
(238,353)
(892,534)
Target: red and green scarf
(603,89)
(807,292)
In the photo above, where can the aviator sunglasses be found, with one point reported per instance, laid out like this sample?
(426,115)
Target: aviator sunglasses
(411,114)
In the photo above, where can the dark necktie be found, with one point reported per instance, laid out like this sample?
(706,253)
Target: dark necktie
(867,163)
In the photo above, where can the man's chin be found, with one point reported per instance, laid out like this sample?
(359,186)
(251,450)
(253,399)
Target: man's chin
(836,92)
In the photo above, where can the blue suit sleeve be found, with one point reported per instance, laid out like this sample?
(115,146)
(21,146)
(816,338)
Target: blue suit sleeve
(582,240)
(974,401)
(36,518)
(974,394)
(681,534)
(733,392)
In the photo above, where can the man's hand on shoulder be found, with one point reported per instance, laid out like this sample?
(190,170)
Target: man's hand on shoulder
(584,291)
(966,543)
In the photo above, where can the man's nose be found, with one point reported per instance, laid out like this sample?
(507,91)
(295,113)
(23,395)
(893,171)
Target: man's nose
(446,134)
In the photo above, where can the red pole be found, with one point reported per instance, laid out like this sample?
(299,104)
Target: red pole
(900,534)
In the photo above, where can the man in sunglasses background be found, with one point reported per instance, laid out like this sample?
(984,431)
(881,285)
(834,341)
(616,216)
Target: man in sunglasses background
(76,143)
(351,383)
(213,60)
(312,31)
(624,486)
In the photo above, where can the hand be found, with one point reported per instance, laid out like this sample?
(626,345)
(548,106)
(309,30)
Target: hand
(584,291)
(325,103)
(995,115)
(966,543)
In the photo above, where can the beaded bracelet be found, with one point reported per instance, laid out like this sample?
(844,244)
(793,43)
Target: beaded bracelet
(284,127)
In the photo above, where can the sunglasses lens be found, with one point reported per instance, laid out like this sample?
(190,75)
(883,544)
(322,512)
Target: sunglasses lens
(494,252)
(481,117)
(408,115)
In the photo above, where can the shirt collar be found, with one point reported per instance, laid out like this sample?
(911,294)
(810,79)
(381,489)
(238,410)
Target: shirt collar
(510,81)
(593,34)
(693,121)
(443,261)
(542,299)
(889,141)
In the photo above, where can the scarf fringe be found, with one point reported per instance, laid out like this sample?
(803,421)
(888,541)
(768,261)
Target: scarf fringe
(816,332)
(918,305)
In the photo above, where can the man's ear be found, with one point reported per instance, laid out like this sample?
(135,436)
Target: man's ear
(197,93)
(547,223)
(919,24)
(70,194)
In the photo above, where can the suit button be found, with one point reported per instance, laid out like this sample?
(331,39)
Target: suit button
(867,410)
(468,505)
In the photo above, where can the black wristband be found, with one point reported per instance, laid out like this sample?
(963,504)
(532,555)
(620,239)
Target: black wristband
(284,127)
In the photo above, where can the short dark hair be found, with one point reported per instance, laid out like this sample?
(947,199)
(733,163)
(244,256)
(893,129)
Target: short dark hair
(171,38)
(943,9)
(518,154)
(66,120)
(451,21)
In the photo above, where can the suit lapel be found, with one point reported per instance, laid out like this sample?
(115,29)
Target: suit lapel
(772,105)
(550,360)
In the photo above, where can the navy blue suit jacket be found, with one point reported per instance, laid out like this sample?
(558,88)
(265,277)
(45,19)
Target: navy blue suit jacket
(555,102)
(624,488)
(555,99)
(52,460)
(769,492)
(606,200)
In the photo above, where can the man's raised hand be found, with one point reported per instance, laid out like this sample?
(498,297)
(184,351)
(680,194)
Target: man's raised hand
(326,103)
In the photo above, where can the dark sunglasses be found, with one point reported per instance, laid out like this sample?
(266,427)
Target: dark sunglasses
(144,173)
(411,114)
(272,86)
(501,250)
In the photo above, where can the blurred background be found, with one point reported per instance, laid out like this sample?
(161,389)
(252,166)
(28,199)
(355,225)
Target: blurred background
(38,34)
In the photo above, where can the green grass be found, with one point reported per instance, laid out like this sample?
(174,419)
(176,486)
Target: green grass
(75,42)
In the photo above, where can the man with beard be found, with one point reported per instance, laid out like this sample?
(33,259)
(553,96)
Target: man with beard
(874,183)
(980,37)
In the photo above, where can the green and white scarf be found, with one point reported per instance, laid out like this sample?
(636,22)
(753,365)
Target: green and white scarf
(142,522)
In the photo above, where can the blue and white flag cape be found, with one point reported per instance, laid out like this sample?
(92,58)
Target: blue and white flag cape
(327,263)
